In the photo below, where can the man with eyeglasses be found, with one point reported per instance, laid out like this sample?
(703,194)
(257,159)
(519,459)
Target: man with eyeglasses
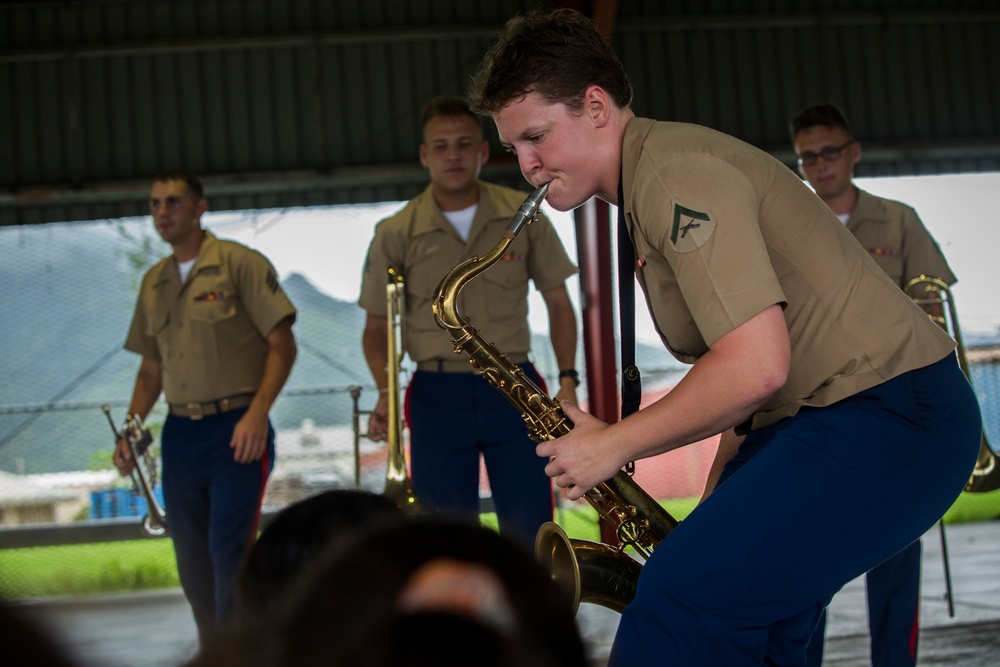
(897,240)
(214,330)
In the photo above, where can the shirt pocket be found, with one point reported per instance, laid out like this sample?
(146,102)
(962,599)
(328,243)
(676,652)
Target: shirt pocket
(213,303)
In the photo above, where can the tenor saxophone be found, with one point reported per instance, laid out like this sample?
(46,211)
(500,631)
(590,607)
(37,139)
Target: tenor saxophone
(591,571)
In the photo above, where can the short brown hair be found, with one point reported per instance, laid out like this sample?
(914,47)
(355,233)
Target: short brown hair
(825,114)
(447,107)
(190,180)
(557,54)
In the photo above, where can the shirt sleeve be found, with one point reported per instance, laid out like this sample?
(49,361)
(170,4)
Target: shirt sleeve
(702,213)
(921,253)
(374,275)
(263,298)
(140,338)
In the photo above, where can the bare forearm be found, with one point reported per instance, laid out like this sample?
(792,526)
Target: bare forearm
(722,389)
(375,343)
(562,333)
(281,354)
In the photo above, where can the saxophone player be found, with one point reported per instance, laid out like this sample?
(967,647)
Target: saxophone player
(454,416)
(795,337)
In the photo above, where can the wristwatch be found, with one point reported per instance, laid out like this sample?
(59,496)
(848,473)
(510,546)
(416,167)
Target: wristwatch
(570,373)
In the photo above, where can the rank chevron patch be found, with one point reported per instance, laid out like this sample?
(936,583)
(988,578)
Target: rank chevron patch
(690,229)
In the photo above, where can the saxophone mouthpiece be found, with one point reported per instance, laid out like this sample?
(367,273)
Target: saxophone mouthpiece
(528,210)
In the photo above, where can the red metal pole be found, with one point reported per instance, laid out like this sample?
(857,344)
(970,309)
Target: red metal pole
(593,247)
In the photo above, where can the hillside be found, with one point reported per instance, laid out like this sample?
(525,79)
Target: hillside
(66,307)
(67,301)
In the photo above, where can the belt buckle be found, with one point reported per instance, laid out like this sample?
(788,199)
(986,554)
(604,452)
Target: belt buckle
(194,411)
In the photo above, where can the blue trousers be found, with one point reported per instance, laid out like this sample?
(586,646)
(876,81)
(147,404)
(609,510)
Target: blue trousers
(213,508)
(455,417)
(893,589)
(805,506)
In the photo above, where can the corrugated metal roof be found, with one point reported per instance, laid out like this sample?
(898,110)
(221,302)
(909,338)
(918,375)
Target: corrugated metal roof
(300,102)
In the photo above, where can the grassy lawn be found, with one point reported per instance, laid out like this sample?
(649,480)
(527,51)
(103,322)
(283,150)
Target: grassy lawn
(148,564)
(83,569)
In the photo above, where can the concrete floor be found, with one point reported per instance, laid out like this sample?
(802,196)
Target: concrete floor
(156,629)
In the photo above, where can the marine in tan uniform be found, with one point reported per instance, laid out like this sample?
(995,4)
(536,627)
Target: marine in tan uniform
(897,240)
(454,416)
(214,330)
(796,338)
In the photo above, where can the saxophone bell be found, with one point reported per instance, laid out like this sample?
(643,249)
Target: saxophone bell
(589,571)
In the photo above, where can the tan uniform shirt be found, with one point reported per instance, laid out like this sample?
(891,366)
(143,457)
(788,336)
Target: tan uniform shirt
(210,333)
(722,230)
(897,240)
(423,246)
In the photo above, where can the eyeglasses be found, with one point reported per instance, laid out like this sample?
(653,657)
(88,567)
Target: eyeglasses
(829,154)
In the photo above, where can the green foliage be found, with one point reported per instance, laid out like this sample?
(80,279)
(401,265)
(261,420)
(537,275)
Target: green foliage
(118,567)
(100,459)
(974,507)
(87,569)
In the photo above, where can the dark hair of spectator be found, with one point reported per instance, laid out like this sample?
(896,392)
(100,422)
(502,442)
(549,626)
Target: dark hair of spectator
(825,114)
(192,182)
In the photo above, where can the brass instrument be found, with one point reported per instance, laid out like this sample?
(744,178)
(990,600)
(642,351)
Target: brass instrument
(934,296)
(593,571)
(397,481)
(143,473)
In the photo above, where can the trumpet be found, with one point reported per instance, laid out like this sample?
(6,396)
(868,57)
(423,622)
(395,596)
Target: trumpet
(397,481)
(143,473)
(934,296)
(590,571)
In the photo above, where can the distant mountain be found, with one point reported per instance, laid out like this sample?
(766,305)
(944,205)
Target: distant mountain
(65,307)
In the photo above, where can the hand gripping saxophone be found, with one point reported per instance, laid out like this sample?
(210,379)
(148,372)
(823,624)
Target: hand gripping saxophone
(593,572)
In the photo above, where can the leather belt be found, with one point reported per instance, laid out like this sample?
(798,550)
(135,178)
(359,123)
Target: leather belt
(209,408)
(461,364)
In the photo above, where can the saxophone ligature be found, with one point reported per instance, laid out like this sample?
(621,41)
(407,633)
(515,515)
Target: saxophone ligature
(144,469)
(591,571)
(397,482)
(934,296)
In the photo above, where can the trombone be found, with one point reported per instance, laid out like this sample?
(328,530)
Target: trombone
(934,296)
(397,481)
(143,471)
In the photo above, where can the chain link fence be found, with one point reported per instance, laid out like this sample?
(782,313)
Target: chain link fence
(68,297)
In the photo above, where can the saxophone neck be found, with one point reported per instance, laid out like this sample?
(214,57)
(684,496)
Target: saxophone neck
(528,210)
